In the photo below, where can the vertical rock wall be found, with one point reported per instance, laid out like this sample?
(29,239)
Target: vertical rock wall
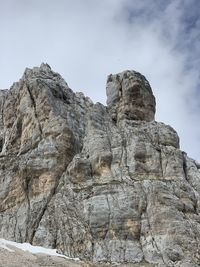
(106,184)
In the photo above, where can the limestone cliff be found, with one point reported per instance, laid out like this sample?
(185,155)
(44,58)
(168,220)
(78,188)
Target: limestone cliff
(105,184)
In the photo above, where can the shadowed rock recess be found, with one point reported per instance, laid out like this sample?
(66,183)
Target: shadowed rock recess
(105,184)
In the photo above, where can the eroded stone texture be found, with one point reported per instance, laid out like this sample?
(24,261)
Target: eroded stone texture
(130,97)
(106,184)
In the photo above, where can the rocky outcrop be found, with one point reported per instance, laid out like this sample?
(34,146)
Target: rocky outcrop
(105,184)
(130,97)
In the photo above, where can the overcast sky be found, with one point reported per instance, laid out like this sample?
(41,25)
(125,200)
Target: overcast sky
(85,40)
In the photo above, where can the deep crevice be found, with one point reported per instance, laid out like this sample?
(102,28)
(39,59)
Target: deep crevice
(37,222)
(35,107)
(185,165)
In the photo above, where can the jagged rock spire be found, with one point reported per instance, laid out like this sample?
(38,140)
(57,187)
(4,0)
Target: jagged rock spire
(73,179)
(129,96)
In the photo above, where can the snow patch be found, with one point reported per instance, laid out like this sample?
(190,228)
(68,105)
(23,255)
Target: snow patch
(5,244)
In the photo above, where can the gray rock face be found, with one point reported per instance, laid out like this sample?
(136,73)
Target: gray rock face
(130,97)
(105,184)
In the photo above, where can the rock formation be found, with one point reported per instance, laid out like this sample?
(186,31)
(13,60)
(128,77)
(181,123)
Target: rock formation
(105,184)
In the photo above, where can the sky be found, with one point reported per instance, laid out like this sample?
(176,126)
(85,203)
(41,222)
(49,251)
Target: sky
(86,40)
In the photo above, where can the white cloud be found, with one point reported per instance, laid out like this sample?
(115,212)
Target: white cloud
(85,40)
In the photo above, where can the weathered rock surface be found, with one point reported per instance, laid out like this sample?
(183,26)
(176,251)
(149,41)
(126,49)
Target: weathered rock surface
(130,97)
(20,258)
(105,184)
